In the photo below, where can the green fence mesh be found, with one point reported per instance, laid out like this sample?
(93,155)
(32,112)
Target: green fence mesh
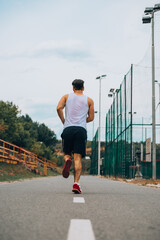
(129,127)
(118,148)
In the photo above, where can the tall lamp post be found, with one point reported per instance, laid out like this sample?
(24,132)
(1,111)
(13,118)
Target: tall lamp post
(158,105)
(112,93)
(93,125)
(99,128)
(149,17)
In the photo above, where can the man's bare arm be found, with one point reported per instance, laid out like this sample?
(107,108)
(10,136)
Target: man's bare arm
(90,117)
(61,106)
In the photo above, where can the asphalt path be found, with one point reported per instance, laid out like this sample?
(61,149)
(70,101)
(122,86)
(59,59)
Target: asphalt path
(46,208)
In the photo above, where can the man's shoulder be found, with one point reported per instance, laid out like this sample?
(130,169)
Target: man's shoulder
(90,101)
(65,96)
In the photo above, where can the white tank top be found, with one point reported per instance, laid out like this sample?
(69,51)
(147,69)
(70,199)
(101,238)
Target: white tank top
(76,111)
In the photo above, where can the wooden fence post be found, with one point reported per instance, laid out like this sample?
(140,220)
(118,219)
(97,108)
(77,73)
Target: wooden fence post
(45,168)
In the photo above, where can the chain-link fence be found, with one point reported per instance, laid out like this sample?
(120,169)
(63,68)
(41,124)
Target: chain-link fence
(118,150)
(129,126)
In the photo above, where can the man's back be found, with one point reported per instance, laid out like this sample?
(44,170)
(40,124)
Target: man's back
(76,110)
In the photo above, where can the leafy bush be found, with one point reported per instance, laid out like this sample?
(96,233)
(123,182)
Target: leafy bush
(23,132)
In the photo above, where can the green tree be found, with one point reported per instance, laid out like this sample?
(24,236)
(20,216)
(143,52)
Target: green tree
(23,132)
(60,161)
(46,136)
(9,119)
(37,149)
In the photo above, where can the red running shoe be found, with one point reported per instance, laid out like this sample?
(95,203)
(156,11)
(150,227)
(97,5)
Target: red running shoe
(76,189)
(66,168)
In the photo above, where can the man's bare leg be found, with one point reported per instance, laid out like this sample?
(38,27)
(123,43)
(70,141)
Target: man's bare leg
(77,167)
(67,165)
(66,157)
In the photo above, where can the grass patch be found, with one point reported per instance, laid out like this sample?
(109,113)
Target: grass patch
(143,182)
(10,172)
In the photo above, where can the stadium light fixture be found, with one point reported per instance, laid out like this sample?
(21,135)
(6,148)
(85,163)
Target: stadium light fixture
(157,7)
(146,19)
(148,10)
(102,76)
(117,90)
(132,113)
(111,90)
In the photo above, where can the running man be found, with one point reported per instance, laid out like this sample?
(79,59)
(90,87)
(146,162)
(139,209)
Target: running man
(79,110)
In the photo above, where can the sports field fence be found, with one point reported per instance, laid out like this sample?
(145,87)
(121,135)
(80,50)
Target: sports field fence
(129,127)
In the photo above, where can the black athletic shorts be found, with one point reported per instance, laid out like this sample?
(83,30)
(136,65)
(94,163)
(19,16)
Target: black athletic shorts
(74,140)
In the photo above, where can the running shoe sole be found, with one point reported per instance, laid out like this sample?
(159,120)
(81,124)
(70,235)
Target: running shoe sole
(66,168)
(76,191)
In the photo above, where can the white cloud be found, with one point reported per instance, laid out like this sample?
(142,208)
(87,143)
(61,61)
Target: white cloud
(67,49)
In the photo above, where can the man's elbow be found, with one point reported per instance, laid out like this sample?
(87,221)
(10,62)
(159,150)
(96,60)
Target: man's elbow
(58,109)
(92,118)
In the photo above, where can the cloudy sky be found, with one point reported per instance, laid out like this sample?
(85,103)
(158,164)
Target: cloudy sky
(45,45)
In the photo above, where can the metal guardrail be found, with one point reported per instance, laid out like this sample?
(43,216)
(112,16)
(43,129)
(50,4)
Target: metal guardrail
(13,154)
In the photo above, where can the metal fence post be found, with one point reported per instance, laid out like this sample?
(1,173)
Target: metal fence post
(131,116)
(138,172)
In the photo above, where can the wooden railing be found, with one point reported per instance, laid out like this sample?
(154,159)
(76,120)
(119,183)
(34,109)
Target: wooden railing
(13,154)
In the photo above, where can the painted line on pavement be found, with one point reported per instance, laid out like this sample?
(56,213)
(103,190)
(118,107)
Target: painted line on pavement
(80,229)
(78,200)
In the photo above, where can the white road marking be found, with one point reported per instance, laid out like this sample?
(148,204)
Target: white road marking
(78,200)
(80,229)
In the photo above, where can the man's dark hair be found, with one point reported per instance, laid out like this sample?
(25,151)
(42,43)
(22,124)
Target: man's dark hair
(78,84)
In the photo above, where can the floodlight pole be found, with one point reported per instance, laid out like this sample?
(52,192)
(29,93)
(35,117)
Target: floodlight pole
(99,132)
(158,105)
(153,104)
(99,128)
(93,125)
(151,11)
